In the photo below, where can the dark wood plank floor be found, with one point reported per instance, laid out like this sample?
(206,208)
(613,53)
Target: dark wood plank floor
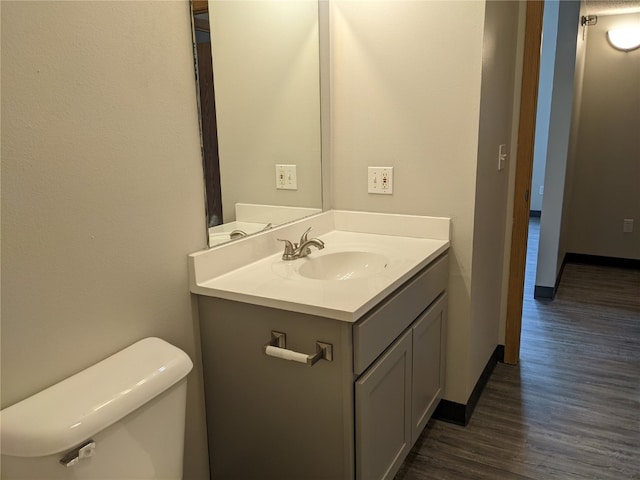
(571,409)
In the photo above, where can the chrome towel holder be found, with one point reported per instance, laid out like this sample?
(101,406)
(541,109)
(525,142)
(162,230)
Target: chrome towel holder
(277,347)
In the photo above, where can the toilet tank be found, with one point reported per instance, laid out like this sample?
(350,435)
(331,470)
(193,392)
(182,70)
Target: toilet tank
(121,419)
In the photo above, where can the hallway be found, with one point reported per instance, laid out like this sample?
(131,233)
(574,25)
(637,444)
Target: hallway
(571,409)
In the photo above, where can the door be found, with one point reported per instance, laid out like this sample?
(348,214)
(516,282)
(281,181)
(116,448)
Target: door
(524,167)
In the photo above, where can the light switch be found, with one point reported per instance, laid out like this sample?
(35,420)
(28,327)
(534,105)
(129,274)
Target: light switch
(502,156)
(627,225)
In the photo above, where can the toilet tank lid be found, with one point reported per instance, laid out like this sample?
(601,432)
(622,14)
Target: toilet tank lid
(71,411)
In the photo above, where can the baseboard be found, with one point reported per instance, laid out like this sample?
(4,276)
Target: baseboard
(546,293)
(583,258)
(535,213)
(541,292)
(459,413)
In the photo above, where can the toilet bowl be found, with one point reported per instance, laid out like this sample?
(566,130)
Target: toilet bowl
(121,419)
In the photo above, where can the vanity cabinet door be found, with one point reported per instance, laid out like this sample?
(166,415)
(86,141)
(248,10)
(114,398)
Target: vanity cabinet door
(383,413)
(429,337)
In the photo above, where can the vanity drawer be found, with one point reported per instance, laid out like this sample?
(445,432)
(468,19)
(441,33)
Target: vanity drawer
(373,334)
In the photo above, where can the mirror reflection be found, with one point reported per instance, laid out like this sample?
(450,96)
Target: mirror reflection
(259,84)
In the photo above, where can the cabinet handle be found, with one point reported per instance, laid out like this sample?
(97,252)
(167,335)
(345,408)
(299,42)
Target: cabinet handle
(277,348)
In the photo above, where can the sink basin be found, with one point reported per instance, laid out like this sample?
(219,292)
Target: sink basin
(343,265)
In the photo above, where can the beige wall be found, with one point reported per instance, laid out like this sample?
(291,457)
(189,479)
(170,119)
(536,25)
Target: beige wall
(511,167)
(102,195)
(607,169)
(574,140)
(405,85)
(267,82)
(490,216)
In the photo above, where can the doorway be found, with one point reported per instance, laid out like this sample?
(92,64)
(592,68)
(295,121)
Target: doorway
(576,232)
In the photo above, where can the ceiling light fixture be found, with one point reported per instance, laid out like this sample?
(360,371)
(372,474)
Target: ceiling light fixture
(625,39)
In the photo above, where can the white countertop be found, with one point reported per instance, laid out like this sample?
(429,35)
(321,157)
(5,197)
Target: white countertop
(265,279)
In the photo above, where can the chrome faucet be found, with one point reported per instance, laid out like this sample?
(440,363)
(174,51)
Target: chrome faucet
(293,251)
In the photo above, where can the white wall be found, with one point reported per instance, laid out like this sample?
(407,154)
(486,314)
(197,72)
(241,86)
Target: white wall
(562,95)
(405,85)
(606,182)
(545,89)
(102,194)
(267,88)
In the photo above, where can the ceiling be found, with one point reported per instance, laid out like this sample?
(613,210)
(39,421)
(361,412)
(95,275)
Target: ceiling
(612,7)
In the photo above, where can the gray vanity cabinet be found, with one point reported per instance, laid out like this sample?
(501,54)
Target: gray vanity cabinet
(354,417)
(383,412)
(397,395)
(429,343)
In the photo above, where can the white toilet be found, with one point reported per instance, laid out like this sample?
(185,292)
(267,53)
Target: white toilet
(122,418)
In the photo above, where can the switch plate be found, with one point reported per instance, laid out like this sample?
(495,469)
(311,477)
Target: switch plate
(627,225)
(541,190)
(286,177)
(502,156)
(380,180)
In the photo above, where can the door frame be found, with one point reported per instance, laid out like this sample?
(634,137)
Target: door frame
(524,168)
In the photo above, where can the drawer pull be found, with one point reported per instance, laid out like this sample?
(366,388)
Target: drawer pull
(277,348)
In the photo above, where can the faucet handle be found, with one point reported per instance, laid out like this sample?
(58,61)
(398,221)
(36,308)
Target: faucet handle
(304,236)
(289,249)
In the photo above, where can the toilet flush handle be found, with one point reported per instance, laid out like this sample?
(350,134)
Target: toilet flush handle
(85,450)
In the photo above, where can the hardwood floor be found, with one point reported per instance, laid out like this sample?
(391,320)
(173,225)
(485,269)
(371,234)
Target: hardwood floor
(571,408)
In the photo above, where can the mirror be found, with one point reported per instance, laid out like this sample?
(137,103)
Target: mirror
(258,73)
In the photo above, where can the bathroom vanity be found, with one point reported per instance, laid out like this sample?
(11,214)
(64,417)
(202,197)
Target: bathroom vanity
(372,342)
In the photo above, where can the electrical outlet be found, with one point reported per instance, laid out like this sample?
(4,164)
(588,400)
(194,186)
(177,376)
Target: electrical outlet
(627,225)
(286,177)
(380,180)
(541,190)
